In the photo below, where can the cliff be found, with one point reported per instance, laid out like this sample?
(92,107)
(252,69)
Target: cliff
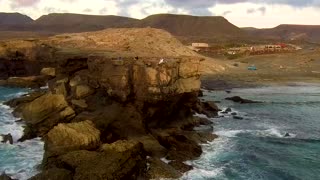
(114,97)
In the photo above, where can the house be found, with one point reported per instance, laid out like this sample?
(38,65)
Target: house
(200,45)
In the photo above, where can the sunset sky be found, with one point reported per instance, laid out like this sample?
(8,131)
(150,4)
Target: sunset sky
(243,13)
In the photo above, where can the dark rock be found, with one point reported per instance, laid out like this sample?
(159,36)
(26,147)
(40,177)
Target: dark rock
(152,146)
(237,117)
(24,99)
(180,147)
(160,170)
(7,138)
(228,110)
(53,174)
(234,113)
(180,166)
(287,135)
(240,100)
(4,176)
(200,93)
(120,160)
(208,108)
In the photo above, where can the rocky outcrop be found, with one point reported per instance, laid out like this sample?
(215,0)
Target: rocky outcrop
(25,82)
(208,108)
(241,100)
(110,104)
(72,136)
(145,78)
(48,71)
(160,170)
(54,174)
(45,112)
(121,160)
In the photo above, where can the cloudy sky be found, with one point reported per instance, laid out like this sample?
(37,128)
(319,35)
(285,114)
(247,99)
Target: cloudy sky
(243,13)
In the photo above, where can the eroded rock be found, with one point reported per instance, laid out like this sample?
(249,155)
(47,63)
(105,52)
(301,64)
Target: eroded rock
(72,136)
(45,112)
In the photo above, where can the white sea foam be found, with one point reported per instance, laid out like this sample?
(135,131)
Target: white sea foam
(200,174)
(45,87)
(165,160)
(272,132)
(200,115)
(20,159)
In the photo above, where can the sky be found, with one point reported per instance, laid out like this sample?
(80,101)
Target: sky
(242,13)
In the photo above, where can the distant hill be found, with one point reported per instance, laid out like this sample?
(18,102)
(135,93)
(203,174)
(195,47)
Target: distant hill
(14,19)
(178,25)
(286,32)
(211,29)
(78,23)
(185,25)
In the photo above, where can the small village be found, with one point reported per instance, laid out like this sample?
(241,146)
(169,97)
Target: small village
(245,49)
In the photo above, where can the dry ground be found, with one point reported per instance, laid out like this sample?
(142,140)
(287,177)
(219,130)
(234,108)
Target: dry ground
(300,66)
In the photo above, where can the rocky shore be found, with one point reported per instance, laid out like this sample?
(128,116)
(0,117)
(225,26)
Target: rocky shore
(113,109)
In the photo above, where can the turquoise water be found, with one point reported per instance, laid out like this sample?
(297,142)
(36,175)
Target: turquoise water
(255,148)
(19,160)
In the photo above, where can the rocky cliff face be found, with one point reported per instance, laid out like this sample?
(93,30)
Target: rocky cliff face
(103,114)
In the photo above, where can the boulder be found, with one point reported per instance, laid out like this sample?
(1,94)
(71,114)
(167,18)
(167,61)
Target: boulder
(152,146)
(237,117)
(180,166)
(79,103)
(53,174)
(45,112)
(208,108)
(71,136)
(121,160)
(6,138)
(241,100)
(160,170)
(48,71)
(59,86)
(82,91)
(180,146)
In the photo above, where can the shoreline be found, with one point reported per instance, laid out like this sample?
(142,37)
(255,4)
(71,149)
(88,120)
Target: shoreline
(212,82)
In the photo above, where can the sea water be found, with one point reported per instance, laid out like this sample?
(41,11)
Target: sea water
(256,148)
(21,159)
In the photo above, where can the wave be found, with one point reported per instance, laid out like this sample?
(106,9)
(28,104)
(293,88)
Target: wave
(20,159)
(272,132)
(197,173)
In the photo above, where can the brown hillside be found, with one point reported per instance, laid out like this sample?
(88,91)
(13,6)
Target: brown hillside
(309,33)
(78,22)
(13,19)
(185,25)
(124,42)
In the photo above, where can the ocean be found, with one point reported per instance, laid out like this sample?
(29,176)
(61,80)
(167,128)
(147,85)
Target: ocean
(256,148)
(19,160)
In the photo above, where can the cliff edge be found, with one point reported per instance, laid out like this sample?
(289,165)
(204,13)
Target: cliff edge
(114,98)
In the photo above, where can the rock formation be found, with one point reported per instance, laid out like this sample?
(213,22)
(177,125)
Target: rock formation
(110,104)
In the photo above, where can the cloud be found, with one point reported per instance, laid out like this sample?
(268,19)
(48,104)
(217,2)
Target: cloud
(54,10)
(261,9)
(87,10)
(251,11)
(226,13)
(23,3)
